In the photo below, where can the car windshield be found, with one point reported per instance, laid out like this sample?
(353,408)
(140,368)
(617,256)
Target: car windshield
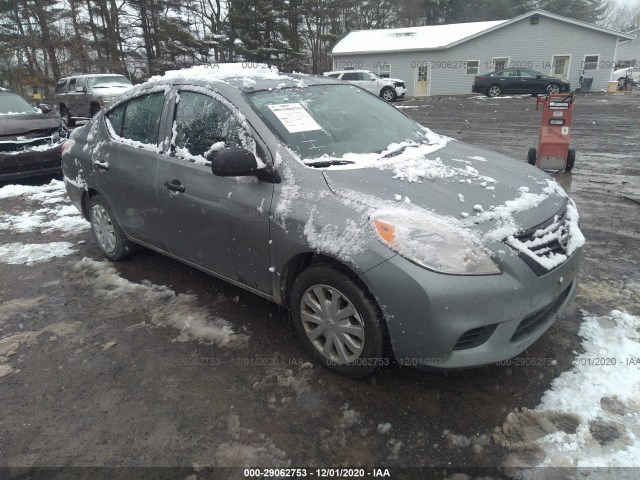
(109,81)
(333,120)
(12,104)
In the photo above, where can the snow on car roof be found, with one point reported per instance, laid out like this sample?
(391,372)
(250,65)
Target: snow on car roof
(412,38)
(224,71)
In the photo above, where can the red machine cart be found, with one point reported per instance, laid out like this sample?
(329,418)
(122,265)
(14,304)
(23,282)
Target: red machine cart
(553,152)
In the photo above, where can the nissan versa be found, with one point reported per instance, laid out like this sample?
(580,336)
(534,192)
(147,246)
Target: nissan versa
(382,238)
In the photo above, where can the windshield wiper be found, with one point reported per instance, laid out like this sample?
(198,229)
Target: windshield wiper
(395,153)
(327,163)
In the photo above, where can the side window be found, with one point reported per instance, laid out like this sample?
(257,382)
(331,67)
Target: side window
(203,124)
(351,76)
(333,75)
(115,118)
(72,85)
(142,118)
(60,85)
(81,83)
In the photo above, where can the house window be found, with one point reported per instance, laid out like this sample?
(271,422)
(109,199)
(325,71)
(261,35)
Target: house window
(500,63)
(473,67)
(591,62)
(384,70)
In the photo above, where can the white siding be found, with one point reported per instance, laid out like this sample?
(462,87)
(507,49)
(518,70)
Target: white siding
(526,45)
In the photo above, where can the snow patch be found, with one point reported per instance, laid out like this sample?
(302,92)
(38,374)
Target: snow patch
(163,305)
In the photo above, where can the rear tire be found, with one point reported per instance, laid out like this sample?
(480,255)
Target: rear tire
(532,156)
(494,90)
(571,159)
(553,89)
(66,117)
(389,94)
(110,238)
(337,322)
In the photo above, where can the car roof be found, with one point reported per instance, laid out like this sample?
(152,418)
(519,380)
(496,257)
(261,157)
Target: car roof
(242,77)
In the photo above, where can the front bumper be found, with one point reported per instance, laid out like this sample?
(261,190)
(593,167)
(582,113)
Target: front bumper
(30,163)
(401,91)
(449,321)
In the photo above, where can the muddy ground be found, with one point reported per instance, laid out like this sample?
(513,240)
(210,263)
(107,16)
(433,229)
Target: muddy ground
(97,378)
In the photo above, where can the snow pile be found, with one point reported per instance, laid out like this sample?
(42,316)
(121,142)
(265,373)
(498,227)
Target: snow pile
(164,306)
(30,253)
(55,214)
(54,188)
(590,417)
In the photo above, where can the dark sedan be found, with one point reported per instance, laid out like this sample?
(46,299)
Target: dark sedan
(518,80)
(30,140)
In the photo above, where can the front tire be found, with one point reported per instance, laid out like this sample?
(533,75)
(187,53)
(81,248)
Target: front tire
(494,90)
(110,238)
(553,89)
(66,117)
(532,155)
(389,94)
(337,322)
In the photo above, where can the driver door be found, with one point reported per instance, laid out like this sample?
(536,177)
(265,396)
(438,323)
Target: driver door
(220,224)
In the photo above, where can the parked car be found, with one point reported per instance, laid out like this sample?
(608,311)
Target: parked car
(388,88)
(518,80)
(30,138)
(82,96)
(621,76)
(378,235)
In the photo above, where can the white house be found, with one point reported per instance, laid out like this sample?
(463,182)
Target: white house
(443,59)
(629,50)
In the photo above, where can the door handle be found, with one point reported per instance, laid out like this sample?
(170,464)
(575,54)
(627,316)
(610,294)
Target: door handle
(101,165)
(175,186)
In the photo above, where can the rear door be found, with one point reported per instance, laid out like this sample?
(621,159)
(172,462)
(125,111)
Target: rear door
(220,224)
(127,166)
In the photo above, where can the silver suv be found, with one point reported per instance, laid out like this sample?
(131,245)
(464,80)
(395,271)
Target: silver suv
(388,88)
(82,96)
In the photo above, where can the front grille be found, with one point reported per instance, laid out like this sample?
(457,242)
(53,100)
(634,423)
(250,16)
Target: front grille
(18,146)
(474,337)
(543,247)
(534,321)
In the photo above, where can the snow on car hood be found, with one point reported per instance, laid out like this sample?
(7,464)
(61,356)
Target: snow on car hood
(483,190)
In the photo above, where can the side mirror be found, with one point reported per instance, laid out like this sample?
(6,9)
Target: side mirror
(80,89)
(44,108)
(233,162)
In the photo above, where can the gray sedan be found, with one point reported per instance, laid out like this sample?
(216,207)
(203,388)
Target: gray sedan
(385,240)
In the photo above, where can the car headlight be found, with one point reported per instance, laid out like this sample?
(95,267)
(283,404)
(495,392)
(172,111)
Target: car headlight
(435,243)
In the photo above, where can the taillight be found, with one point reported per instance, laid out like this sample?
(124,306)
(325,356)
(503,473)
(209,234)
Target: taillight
(478,79)
(66,146)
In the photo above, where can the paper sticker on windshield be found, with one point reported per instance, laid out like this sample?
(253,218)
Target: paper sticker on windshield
(294,117)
